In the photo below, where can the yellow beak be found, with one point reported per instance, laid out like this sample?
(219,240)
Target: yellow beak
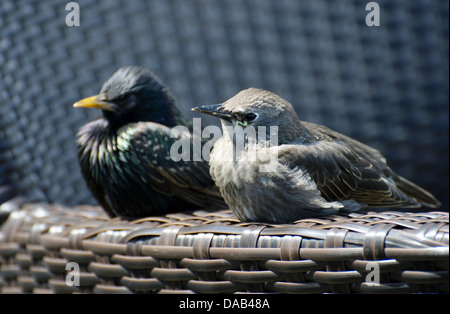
(95,102)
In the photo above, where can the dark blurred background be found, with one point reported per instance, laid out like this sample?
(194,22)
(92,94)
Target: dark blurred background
(386,86)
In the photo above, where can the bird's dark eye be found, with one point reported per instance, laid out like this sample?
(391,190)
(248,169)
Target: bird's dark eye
(250,116)
(124,96)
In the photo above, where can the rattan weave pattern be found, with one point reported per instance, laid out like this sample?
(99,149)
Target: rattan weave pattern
(212,252)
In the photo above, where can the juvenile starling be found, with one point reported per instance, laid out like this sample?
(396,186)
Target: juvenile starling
(318,171)
(125,154)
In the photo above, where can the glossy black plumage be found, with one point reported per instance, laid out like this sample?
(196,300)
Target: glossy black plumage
(124,154)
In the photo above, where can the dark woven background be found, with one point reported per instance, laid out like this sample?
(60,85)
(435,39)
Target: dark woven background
(386,86)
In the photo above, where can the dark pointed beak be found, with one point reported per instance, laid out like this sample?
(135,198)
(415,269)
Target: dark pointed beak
(97,102)
(215,111)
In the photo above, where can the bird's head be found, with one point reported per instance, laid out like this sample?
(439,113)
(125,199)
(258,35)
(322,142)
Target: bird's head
(134,94)
(257,107)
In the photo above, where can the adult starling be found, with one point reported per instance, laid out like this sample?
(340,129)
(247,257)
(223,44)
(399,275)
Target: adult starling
(318,171)
(125,154)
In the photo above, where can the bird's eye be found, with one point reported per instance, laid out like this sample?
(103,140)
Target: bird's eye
(124,96)
(250,116)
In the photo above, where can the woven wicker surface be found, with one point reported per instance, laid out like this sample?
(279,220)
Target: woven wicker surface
(211,252)
(386,86)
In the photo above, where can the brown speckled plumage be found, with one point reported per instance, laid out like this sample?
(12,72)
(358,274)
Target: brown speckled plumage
(318,171)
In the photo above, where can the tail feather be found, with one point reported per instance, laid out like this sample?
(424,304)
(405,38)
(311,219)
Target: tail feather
(421,195)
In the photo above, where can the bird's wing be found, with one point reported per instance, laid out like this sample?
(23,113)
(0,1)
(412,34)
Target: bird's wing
(343,168)
(150,144)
